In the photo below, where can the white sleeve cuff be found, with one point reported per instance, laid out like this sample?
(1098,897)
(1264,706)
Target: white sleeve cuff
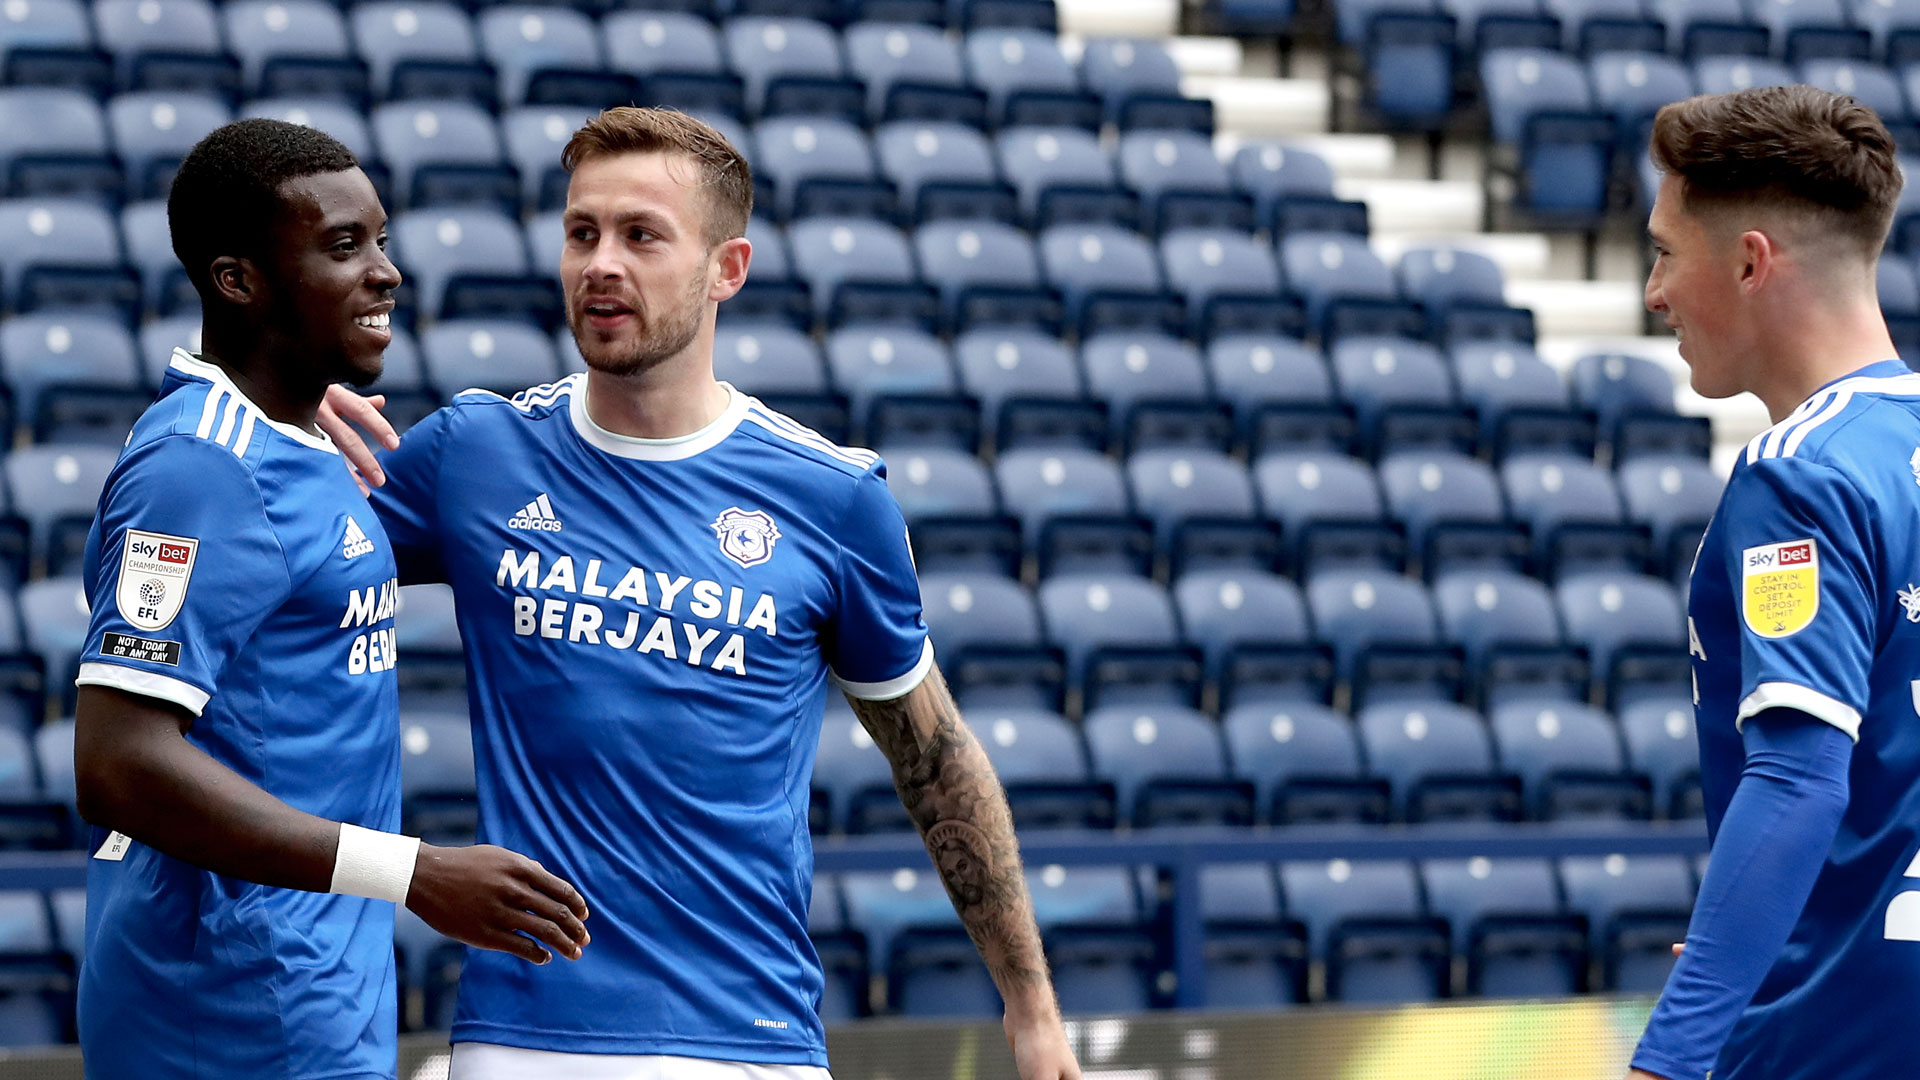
(145,683)
(892,688)
(1784,695)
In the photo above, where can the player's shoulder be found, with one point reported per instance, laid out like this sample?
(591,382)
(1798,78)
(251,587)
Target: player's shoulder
(202,417)
(1852,424)
(533,403)
(782,434)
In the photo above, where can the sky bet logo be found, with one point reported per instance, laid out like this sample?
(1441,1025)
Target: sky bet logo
(178,554)
(1789,557)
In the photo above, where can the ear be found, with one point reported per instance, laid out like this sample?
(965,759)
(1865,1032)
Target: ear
(1759,261)
(727,268)
(236,280)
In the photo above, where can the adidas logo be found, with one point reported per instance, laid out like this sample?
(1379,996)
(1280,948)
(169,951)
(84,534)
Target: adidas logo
(536,516)
(355,543)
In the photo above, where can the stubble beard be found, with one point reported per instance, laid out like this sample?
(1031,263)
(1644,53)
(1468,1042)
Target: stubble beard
(658,340)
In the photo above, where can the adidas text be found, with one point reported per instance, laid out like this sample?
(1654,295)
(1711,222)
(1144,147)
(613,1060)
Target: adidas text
(529,523)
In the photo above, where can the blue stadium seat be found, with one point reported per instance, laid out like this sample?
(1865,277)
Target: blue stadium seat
(1438,757)
(1636,907)
(1304,761)
(1062,176)
(70,921)
(1273,173)
(1100,953)
(164,286)
(1385,637)
(1029,388)
(166,45)
(548,55)
(420,50)
(1486,25)
(1674,496)
(428,966)
(153,130)
(533,138)
(953,515)
(1347,289)
(1572,509)
(1452,510)
(986,631)
(1543,110)
(338,119)
(1709,28)
(1109,278)
(1407,49)
(471,261)
(402,379)
(1725,74)
(53,748)
(860,271)
(855,776)
(1812,30)
(988,274)
(1632,86)
(53,143)
(502,355)
(432,670)
(1155,389)
(1402,394)
(900,388)
(912,72)
(1121,639)
(842,951)
(1028,80)
(28,819)
(56,488)
(1869,84)
(772,291)
(1522,403)
(1042,762)
(1662,745)
(1898,288)
(677,57)
(1598,27)
(1366,921)
(1139,82)
(1894,26)
(1168,766)
(1180,182)
(792,65)
(1634,631)
(916,940)
(160,337)
(1330,510)
(1202,506)
(294,47)
(943,169)
(1570,762)
(1255,956)
(1231,282)
(53,612)
(74,377)
(820,165)
(1252,628)
(1508,923)
(1633,399)
(778,364)
(1464,295)
(50,43)
(1281,392)
(443,152)
(438,793)
(1074,510)
(64,255)
(1509,632)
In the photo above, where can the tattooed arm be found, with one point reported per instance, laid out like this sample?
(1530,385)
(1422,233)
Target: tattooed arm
(954,798)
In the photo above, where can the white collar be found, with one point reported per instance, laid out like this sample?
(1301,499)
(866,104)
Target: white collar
(188,364)
(677,448)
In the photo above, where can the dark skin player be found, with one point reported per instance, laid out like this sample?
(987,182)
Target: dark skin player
(285,326)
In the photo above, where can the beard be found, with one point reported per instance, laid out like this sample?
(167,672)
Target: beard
(662,333)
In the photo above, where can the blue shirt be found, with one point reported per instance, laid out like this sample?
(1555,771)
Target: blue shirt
(235,570)
(1806,596)
(649,626)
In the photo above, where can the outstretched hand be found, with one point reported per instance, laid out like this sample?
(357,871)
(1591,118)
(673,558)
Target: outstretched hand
(342,405)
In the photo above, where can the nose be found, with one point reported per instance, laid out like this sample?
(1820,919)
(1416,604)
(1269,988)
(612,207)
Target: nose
(604,264)
(1656,293)
(384,275)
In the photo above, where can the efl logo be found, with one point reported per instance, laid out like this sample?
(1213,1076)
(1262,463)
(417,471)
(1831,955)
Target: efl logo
(1796,555)
(175,553)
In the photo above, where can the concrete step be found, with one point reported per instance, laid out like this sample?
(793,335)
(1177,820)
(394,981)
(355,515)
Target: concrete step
(1581,308)
(1119,18)
(1254,107)
(1431,207)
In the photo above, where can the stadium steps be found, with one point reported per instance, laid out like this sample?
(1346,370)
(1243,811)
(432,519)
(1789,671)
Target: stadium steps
(1119,18)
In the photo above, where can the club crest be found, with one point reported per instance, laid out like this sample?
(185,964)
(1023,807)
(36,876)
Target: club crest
(746,536)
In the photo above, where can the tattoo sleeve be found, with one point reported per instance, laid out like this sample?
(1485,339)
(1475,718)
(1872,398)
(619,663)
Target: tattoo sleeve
(950,790)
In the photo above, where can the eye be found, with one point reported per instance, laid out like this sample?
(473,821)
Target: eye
(640,236)
(382,241)
(580,234)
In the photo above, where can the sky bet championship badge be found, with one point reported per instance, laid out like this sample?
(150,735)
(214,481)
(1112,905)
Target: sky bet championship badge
(154,570)
(1781,592)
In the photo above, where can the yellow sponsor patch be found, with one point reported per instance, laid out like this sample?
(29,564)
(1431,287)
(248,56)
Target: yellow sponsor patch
(1780,591)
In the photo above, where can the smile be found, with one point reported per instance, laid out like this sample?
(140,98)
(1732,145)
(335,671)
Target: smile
(372,322)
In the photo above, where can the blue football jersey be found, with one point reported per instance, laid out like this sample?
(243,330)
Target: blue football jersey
(1806,595)
(235,570)
(649,627)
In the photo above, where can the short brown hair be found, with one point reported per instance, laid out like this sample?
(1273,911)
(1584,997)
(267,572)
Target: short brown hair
(1795,147)
(724,173)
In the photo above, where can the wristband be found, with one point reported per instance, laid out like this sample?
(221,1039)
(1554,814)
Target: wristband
(377,865)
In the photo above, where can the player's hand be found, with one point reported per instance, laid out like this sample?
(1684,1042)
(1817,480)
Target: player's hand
(342,405)
(492,898)
(1679,947)
(1040,1050)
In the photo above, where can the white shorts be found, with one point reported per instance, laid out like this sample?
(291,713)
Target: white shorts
(486,1061)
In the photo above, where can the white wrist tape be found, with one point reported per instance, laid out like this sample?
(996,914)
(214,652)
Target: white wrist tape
(378,865)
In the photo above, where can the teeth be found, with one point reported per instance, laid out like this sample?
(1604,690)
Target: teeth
(372,322)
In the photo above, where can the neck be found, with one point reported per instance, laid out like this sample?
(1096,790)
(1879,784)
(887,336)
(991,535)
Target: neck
(1820,344)
(666,402)
(251,363)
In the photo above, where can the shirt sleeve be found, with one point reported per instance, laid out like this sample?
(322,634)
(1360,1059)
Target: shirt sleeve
(408,503)
(188,568)
(876,642)
(1800,534)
